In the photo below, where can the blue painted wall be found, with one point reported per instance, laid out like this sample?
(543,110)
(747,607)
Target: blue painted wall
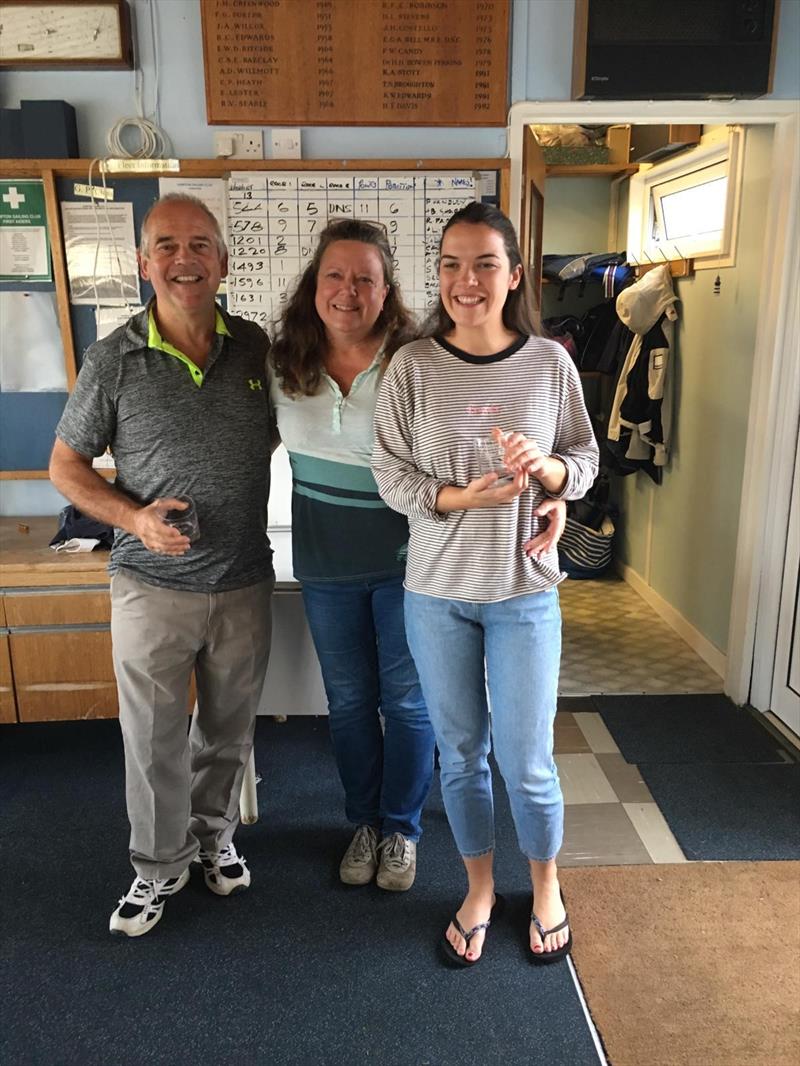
(541,65)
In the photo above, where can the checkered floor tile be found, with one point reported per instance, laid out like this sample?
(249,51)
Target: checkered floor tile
(610,817)
(614,642)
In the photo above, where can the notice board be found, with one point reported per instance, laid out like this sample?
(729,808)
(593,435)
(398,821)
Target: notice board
(274,220)
(272,213)
(356,62)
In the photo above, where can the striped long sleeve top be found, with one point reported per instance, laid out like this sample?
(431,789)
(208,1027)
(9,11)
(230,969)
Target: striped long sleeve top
(433,402)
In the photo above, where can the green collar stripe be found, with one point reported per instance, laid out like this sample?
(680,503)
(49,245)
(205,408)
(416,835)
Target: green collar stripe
(155,340)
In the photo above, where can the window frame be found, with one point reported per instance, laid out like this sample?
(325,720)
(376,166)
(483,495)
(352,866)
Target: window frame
(723,145)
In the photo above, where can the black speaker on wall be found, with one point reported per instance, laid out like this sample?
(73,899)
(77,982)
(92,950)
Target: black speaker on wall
(673,49)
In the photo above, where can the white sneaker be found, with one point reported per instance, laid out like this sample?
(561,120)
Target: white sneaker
(225,872)
(361,858)
(142,907)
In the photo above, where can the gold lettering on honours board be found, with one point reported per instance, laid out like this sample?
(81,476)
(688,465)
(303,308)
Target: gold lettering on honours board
(433,65)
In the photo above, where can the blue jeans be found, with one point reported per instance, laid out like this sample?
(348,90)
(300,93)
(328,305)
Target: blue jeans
(360,638)
(513,648)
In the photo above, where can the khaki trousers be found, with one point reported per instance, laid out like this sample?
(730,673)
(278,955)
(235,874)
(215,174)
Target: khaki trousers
(183,791)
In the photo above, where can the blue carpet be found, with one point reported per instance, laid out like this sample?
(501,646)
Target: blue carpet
(299,970)
(686,729)
(730,812)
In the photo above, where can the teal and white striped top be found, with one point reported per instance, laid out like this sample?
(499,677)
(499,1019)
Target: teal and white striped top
(341,528)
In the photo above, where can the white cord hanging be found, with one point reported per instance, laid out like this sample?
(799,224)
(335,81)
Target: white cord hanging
(153,141)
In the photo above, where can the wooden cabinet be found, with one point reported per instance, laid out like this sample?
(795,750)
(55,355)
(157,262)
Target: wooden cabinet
(55,642)
(55,629)
(60,648)
(8,704)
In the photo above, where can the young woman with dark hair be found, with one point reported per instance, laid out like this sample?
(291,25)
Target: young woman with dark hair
(481,601)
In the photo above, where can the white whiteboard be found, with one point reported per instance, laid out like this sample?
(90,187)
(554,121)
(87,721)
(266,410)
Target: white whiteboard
(274,220)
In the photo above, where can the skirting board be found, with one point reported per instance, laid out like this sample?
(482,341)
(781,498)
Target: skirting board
(707,651)
(783,729)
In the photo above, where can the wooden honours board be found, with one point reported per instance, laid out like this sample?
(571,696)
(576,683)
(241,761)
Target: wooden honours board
(356,62)
(274,220)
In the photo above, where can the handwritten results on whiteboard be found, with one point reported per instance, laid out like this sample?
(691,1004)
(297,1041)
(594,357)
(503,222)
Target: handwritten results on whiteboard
(274,221)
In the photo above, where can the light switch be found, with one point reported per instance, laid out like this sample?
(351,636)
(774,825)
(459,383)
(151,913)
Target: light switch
(286,144)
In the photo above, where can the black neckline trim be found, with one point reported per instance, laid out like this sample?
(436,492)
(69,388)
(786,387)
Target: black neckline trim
(467,357)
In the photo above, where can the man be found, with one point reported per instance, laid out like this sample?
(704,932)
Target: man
(179,393)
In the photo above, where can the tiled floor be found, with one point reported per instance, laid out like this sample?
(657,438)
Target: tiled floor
(610,818)
(614,642)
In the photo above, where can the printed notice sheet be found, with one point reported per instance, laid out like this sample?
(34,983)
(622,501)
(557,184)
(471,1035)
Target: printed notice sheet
(101,253)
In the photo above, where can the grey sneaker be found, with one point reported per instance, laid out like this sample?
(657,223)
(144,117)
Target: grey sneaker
(361,858)
(398,863)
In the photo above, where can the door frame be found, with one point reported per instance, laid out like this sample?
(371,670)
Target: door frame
(766,482)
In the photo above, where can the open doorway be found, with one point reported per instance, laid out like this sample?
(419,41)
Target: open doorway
(691,547)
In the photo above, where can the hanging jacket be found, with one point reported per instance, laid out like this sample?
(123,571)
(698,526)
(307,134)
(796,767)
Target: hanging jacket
(641,412)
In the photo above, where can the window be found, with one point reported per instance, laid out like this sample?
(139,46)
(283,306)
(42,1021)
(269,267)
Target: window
(687,207)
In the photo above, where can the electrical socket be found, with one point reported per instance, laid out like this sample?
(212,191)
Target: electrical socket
(246,144)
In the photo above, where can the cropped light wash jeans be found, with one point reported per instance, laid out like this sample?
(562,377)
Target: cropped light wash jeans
(513,648)
(360,638)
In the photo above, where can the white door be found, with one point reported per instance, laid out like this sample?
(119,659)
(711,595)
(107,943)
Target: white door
(785,702)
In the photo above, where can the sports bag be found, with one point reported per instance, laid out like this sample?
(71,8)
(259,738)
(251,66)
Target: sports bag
(584,552)
(585,547)
(610,267)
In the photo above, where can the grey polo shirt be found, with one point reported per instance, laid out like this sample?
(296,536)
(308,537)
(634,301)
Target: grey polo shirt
(175,429)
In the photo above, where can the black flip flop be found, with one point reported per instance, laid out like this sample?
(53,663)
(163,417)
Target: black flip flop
(544,958)
(450,953)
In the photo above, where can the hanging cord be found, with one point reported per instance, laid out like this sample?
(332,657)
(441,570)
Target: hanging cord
(114,257)
(154,142)
(717,280)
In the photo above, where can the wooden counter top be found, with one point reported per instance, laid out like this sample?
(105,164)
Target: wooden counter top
(27,560)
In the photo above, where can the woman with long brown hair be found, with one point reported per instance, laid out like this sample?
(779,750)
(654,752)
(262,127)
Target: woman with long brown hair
(482,610)
(339,330)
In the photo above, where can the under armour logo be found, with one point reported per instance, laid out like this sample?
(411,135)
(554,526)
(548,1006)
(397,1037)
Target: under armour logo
(254,383)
